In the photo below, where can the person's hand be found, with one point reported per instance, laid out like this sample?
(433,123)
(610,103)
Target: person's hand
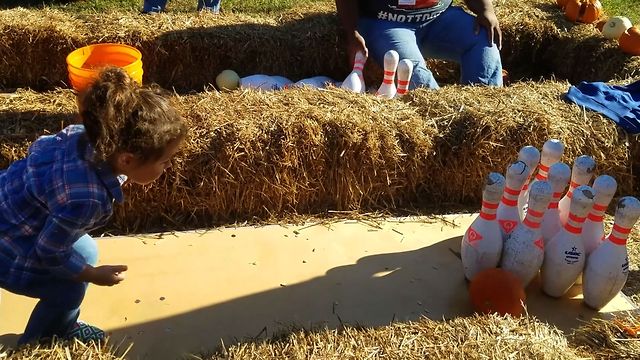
(356,43)
(489,21)
(107,275)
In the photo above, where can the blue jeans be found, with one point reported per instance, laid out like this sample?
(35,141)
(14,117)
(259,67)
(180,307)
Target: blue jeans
(159,5)
(59,306)
(449,37)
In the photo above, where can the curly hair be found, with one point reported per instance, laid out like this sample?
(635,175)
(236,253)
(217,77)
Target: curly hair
(121,116)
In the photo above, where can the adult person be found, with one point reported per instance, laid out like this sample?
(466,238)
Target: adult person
(426,28)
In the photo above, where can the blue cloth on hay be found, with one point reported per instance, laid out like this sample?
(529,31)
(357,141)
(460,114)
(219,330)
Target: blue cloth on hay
(619,103)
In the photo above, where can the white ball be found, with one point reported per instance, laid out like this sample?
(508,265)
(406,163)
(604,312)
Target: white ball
(615,26)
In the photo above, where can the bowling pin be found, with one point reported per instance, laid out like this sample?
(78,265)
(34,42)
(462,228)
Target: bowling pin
(316,82)
(355,80)
(508,215)
(552,151)
(531,156)
(581,174)
(259,82)
(593,229)
(558,176)
(607,267)
(281,82)
(564,256)
(405,70)
(523,251)
(387,89)
(482,244)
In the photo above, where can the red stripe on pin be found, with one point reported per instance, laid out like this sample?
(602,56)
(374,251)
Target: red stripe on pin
(543,167)
(509,202)
(535,213)
(388,81)
(525,187)
(570,194)
(541,177)
(572,229)
(403,82)
(574,184)
(489,205)
(599,207)
(557,195)
(620,229)
(486,216)
(576,218)
(531,224)
(553,205)
(389,73)
(616,240)
(511,191)
(595,218)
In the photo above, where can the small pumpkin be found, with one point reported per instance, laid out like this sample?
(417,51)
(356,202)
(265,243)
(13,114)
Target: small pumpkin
(497,290)
(585,11)
(592,11)
(572,10)
(629,41)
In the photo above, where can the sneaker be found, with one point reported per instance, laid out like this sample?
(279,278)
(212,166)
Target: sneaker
(85,333)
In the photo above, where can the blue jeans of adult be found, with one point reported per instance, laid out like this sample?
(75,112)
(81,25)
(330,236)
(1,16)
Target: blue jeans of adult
(451,36)
(59,307)
(159,5)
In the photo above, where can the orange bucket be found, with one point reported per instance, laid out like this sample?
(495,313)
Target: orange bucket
(84,64)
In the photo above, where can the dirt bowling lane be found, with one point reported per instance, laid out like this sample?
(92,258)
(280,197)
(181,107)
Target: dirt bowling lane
(186,291)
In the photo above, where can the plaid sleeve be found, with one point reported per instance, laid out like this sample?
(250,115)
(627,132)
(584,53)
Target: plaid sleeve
(61,231)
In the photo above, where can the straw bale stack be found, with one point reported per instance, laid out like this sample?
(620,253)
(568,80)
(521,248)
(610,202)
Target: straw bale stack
(478,337)
(265,156)
(185,51)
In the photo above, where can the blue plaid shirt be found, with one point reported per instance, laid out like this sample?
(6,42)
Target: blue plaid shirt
(48,201)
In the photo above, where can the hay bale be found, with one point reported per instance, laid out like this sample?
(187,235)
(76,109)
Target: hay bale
(265,156)
(185,51)
(610,339)
(481,129)
(478,337)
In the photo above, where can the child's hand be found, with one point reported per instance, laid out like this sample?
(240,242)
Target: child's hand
(107,275)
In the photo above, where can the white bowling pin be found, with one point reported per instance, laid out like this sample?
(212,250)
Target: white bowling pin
(581,173)
(564,256)
(523,251)
(482,244)
(282,82)
(552,151)
(387,89)
(531,156)
(259,82)
(405,70)
(355,80)
(607,267)
(593,229)
(316,82)
(558,176)
(508,214)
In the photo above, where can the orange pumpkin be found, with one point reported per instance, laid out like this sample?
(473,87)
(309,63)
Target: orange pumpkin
(592,12)
(497,291)
(561,3)
(630,41)
(585,11)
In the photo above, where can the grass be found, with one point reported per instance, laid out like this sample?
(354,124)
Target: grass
(628,8)
(245,6)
